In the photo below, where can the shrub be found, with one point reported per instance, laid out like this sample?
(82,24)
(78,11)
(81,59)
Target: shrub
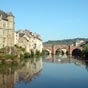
(32,53)
(26,55)
(85,51)
(9,56)
(37,53)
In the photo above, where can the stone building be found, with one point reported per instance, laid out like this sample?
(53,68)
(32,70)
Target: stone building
(28,40)
(37,42)
(24,38)
(16,38)
(6,29)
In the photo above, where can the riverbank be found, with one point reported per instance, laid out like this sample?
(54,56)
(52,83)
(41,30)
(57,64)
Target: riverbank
(14,54)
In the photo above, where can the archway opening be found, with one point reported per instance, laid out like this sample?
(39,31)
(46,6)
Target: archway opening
(59,52)
(77,52)
(46,52)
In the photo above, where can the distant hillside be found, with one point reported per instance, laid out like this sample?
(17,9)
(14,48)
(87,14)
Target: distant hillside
(64,42)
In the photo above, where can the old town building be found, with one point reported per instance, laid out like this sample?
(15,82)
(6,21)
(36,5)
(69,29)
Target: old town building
(6,29)
(24,38)
(28,40)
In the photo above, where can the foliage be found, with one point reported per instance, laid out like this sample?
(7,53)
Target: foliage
(26,55)
(21,56)
(9,56)
(64,42)
(85,47)
(32,53)
(2,50)
(85,51)
(13,53)
(21,48)
(1,56)
(41,53)
(37,53)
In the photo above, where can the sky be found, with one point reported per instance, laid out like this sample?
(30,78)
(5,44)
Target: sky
(52,19)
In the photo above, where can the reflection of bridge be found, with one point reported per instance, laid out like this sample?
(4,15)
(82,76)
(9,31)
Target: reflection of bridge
(63,59)
(65,48)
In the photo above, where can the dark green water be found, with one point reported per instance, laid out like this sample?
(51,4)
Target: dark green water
(54,72)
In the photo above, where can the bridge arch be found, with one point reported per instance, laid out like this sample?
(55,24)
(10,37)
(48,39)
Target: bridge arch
(76,52)
(46,51)
(61,51)
(65,51)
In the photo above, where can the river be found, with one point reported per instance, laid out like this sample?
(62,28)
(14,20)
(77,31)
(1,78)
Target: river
(46,72)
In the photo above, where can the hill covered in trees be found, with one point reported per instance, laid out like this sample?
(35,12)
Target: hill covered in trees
(64,42)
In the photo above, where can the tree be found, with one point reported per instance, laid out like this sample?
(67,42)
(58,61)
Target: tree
(85,51)
(37,53)
(26,55)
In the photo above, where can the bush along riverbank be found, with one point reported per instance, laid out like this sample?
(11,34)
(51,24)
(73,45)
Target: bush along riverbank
(14,54)
(85,52)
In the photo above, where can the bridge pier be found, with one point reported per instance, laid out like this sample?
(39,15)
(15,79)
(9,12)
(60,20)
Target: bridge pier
(69,50)
(53,49)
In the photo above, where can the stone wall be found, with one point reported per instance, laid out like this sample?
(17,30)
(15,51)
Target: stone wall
(6,30)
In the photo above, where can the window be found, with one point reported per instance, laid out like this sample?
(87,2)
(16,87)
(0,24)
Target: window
(4,25)
(34,46)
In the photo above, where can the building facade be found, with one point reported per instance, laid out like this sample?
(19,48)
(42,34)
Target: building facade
(24,38)
(6,29)
(28,40)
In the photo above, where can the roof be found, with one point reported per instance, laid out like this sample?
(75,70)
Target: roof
(21,34)
(4,15)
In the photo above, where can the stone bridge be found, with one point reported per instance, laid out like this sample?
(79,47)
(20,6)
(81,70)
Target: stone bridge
(65,48)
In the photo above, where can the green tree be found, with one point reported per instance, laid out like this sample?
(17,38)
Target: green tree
(32,53)
(37,53)
(85,51)
(26,55)
(9,56)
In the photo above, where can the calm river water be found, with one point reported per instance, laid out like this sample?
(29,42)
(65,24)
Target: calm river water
(47,72)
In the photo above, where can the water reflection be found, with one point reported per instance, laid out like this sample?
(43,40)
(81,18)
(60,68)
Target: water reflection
(24,71)
(58,72)
(63,59)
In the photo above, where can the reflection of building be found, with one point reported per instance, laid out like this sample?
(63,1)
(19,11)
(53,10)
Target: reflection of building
(25,71)
(28,71)
(28,40)
(6,77)
(6,29)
